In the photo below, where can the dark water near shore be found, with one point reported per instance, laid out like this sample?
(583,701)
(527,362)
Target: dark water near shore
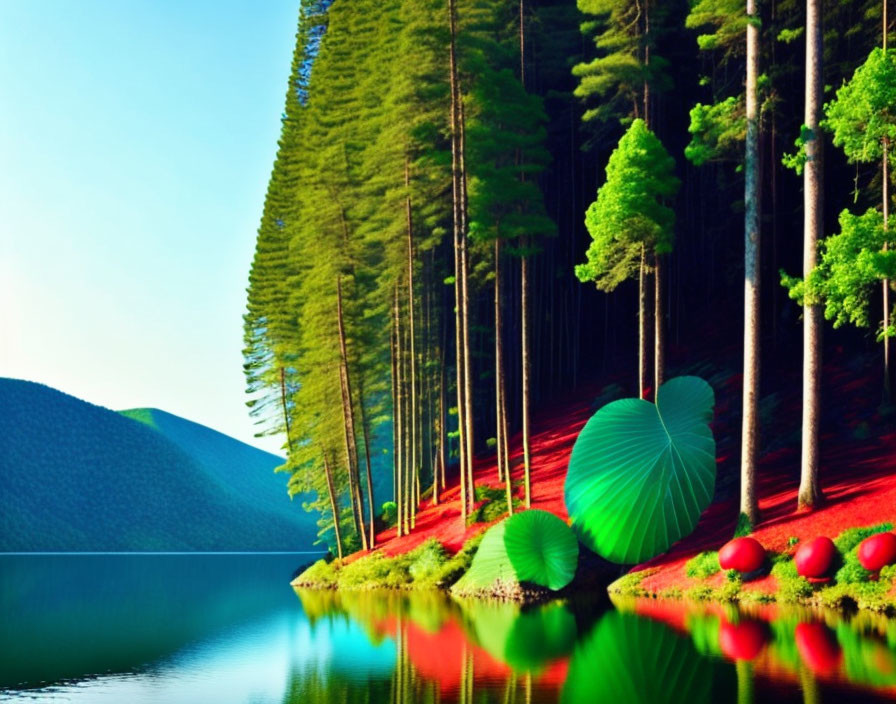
(228,628)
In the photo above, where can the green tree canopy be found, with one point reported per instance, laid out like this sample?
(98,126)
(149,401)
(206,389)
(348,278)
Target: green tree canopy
(863,115)
(853,263)
(631,211)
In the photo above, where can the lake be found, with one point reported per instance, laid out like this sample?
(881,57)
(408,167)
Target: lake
(229,628)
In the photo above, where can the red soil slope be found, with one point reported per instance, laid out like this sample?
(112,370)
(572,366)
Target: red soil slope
(858,478)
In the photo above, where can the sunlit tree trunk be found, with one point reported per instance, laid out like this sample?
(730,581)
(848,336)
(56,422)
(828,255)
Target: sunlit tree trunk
(412,351)
(334,506)
(813,228)
(643,354)
(659,324)
(458,254)
(749,506)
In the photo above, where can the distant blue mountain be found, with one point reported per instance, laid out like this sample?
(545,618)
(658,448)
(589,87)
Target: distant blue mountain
(78,477)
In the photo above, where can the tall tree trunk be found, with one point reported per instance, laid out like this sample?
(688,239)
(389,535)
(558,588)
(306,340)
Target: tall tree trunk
(398,420)
(749,506)
(525,373)
(465,305)
(888,372)
(499,363)
(334,506)
(659,323)
(285,409)
(365,429)
(412,351)
(643,354)
(500,391)
(813,229)
(458,253)
(647,111)
(348,414)
(526,367)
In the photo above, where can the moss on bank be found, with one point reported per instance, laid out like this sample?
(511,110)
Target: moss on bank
(851,587)
(427,566)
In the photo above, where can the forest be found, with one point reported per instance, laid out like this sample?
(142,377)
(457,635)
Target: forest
(480,208)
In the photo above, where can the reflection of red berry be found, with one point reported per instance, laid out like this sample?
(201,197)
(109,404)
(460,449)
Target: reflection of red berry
(742,554)
(818,647)
(741,641)
(878,551)
(815,557)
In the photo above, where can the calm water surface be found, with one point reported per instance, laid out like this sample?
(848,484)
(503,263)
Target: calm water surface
(228,628)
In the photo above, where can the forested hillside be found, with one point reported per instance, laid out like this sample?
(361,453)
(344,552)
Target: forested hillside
(479,205)
(78,477)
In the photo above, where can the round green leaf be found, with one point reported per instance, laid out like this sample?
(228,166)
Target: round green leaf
(641,474)
(490,564)
(541,548)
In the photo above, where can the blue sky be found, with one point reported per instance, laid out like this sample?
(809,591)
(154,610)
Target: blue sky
(136,140)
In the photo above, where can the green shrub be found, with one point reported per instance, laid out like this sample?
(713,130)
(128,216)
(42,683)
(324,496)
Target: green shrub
(703,565)
(454,568)
(322,575)
(791,587)
(847,543)
(427,560)
(389,516)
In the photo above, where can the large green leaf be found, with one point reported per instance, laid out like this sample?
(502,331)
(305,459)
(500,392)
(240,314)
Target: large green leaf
(490,565)
(541,548)
(641,474)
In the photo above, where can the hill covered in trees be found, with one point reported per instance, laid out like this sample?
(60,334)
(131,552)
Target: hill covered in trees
(476,207)
(78,477)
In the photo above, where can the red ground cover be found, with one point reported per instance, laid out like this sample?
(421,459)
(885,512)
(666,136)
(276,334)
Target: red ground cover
(858,477)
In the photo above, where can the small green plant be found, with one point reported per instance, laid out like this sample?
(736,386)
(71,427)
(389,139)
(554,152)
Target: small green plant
(792,540)
(847,543)
(389,514)
(703,565)
(744,526)
(791,587)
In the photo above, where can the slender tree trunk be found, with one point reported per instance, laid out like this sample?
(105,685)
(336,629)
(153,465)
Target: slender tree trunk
(643,355)
(659,323)
(365,428)
(414,459)
(813,227)
(526,369)
(458,253)
(351,447)
(500,391)
(465,305)
(285,409)
(499,362)
(888,372)
(334,506)
(398,421)
(408,480)
(647,111)
(749,506)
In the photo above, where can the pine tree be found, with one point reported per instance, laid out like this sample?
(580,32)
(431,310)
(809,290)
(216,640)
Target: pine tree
(631,218)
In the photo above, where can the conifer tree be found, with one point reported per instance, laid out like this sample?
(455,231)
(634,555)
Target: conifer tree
(631,218)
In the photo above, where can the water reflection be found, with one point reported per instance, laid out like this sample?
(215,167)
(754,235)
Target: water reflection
(229,629)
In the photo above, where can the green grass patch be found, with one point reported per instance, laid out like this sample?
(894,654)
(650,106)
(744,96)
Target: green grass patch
(704,565)
(494,506)
(630,584)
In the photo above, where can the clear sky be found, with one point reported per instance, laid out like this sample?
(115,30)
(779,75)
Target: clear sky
(136,140)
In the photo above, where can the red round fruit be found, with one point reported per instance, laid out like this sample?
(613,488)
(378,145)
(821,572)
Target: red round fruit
(818,647)
(742,641)
(742,554)
(815,558)
(878,551)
